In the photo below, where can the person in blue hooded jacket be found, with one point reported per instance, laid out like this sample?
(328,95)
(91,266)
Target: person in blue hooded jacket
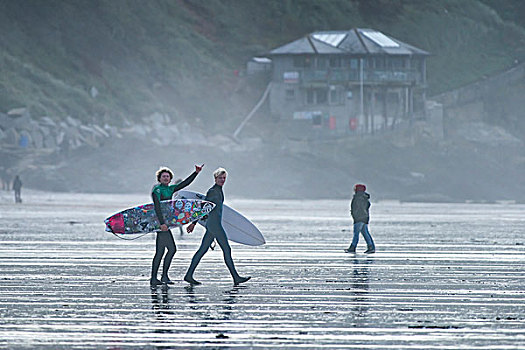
(359,208)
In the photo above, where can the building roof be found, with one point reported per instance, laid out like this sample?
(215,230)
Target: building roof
(357,41)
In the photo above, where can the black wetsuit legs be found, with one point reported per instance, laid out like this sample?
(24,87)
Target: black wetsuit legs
(227,253)
(207,239)
(164,241)
(205,245)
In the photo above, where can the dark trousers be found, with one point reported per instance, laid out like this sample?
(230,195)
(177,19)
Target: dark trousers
(220,236)
(164,241)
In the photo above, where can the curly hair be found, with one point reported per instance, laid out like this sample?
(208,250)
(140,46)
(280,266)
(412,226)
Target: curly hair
(164,169)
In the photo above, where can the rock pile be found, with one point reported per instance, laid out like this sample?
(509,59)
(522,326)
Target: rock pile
(161,130)
(18,130)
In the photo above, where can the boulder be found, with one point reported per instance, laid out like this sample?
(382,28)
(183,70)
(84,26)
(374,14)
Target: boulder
(93,92)
(11,136)
(19,121)
(48,122)
(5,121)
(38,138)
(46,131)
(100,131)
(50,142)
(72,121)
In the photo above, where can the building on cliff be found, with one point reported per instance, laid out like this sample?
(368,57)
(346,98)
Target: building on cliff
(344,82)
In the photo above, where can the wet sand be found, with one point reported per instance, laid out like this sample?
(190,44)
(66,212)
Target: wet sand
(445,276)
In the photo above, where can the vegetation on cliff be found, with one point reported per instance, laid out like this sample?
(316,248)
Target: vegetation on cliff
(108,61)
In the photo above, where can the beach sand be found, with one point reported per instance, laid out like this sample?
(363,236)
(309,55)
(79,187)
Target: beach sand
(445,276)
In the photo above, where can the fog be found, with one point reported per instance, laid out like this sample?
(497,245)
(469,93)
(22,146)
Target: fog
(422,101)
(102,110)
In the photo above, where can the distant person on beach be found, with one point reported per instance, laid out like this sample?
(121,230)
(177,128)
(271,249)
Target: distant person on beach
(160,192)
(359,208)
(17,187)
(214,231)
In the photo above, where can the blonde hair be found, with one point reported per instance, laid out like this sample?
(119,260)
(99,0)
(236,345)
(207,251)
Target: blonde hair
(219,171)
(163,169)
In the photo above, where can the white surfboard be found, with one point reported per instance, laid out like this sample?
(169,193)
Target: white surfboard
(237,227)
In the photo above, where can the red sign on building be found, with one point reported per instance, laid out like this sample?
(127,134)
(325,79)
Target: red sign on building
(353,123)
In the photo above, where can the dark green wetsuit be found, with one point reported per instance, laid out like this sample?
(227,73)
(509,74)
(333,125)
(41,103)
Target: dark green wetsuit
(214,230)
(165,238)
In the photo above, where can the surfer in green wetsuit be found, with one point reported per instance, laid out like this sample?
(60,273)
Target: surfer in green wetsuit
(160,192)
(214,231)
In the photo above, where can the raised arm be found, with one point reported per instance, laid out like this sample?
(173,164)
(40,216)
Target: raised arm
(188,180)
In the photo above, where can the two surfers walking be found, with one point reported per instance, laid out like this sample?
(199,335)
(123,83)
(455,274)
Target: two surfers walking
(214,230)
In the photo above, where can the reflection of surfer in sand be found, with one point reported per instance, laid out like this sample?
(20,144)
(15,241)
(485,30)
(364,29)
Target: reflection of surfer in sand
(214,230)
(160,192)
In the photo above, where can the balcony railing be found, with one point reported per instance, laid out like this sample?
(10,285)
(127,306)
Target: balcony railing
(369,75)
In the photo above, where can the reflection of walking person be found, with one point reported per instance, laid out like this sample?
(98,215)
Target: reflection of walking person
(17,187)
(359,208)
(214,230)
(163,191)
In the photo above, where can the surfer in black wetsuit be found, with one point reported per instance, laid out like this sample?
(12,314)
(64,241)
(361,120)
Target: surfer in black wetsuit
(214,230)
(160,192)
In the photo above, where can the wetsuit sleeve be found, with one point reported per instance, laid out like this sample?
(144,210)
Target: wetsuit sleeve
(156,203)
(185,183)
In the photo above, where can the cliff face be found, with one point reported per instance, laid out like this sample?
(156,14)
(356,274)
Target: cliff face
(111,61)
(495,100)
(96,76)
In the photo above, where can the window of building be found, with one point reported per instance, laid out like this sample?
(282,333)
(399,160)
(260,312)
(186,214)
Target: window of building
(320,62)
(396,62)
(316,96)
(317,120)
(321,96)
(379,62)
(354,63)
(335,62)
(302,61)
(334,96)
(307,62)
(310,96)
(290,94)
(415,63)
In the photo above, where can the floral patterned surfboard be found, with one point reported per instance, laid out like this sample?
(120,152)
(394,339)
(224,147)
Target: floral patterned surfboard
(142,219)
